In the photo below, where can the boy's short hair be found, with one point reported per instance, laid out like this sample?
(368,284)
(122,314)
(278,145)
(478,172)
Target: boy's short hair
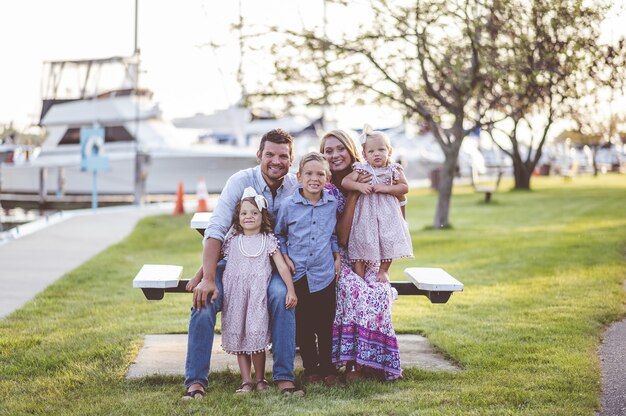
(278,136)
(314,156)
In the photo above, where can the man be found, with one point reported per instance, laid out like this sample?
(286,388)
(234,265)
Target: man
(271,178)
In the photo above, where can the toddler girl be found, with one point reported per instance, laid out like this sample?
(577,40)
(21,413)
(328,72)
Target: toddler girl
(245,318)
(379,232)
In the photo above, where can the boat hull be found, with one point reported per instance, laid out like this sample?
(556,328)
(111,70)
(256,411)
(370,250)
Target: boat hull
(163,174)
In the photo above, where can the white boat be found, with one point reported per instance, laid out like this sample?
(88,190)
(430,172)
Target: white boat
(422,156)
(133,126)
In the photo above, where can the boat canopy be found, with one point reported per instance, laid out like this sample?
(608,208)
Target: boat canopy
(70,80)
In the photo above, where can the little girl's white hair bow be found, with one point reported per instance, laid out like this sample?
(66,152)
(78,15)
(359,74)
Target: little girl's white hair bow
(260,200)
(367,130)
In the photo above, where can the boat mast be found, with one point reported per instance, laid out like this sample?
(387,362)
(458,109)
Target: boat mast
(140,155)
(325,81)
(243,100)
(136,48)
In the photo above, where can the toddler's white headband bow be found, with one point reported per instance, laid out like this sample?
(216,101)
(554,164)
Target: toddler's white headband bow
(367,130)
(260,200)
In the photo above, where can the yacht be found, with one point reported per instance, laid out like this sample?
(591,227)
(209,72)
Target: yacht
(138,143)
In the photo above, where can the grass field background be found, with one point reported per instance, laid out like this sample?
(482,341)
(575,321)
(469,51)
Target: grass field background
(543,274)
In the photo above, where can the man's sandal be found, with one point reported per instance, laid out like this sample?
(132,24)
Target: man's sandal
(292,391)
(244,388)
(262,385)
(194,394)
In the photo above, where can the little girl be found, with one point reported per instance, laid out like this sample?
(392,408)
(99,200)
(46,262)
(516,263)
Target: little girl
(245,318)
(379,232)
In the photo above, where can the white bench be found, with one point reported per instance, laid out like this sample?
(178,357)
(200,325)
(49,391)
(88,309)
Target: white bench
(436,284)
(200,221)
(155,279)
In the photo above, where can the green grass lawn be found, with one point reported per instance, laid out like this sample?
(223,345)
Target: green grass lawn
(543,274)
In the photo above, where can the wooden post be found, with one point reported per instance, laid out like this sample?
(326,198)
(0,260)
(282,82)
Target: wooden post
(142,160)
(60,181)
(43,186)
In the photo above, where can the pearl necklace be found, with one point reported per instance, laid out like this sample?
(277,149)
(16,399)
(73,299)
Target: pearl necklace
(243,250)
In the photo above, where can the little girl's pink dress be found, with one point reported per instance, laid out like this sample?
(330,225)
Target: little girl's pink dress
(379,233)
(245,318)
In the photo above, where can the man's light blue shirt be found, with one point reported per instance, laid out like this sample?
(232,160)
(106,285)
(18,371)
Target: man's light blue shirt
(222,217)
(306,232)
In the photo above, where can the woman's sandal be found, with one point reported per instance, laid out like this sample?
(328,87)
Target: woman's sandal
(245,388)
(262,385)
(194,394)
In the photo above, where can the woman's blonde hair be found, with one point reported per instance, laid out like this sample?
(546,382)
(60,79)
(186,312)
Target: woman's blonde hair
(345,139)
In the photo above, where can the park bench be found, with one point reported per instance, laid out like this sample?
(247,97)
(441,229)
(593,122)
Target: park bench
(157,279)
(482,188)
(569,171)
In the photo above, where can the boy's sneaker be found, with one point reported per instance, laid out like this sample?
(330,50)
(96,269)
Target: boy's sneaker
(332,380)
(313,379)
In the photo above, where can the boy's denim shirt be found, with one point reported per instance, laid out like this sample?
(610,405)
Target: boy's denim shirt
(306,232)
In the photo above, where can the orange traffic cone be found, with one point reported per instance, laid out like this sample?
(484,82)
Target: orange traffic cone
(202,195)
(179,209)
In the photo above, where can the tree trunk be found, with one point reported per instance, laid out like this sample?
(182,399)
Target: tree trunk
(446,180)
(522,173)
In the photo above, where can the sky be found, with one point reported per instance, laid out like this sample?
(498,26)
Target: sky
(185,76)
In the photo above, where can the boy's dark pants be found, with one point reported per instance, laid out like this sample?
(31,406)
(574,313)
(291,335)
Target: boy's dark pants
(315,314)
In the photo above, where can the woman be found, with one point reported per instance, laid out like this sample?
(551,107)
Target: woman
(363,335)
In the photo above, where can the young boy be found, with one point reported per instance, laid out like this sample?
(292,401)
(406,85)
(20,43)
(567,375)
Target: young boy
(305,228)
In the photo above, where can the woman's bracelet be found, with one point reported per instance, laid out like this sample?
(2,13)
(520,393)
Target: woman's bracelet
(403,203)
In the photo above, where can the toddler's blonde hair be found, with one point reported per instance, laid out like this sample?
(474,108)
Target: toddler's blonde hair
(370,133)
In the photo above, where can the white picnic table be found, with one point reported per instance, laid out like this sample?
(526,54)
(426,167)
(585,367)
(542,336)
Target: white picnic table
(156,279)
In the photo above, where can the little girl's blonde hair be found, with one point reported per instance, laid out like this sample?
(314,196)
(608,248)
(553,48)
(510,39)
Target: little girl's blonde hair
(370,133)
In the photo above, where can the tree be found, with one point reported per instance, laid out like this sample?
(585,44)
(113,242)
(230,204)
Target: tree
(30,135)
(426,58)
(590,126)
(546,54)
(589,129)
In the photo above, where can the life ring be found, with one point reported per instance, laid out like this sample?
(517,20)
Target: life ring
(94,146)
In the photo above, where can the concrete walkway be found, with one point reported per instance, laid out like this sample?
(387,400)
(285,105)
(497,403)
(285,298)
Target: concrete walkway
(613,360)
(47,249)
(165,355)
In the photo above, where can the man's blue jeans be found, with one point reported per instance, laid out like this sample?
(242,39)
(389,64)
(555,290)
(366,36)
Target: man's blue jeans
(202,329)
